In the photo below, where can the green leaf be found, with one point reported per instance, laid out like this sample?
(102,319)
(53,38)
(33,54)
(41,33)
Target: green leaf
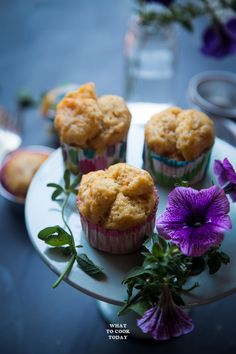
(43,234)
(75,184)
(148,244)
(157,251)
(55,236)
(58,190)
(186,23)
(188,290)
(66,272)
(124,310)
(56,193)
(130,287)
(74,157)
(224,257)
(181,183)
(64,251)
(163,243)
(135,272)
(76,181)
(89,267)
(198,265)
(54,185)
(214,263)
(127,305)
(67,179)
(140,307)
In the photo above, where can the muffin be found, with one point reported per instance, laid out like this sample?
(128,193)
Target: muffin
(178,146)
(18,170)
(93,130)
(117,208)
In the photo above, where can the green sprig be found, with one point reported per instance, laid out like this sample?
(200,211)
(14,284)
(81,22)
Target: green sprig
(182,13)
(62,240)
(215,259)
(68,188)
(164,264)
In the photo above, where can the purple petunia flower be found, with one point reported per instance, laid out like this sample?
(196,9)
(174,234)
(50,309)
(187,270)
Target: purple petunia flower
(226,177)
(195,220)
(166,320)
(219,40)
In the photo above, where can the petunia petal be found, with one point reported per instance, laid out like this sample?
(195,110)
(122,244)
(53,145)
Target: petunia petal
(217,205)
(221,223)
(166,320)
(220,172)
(233,195)
(195,243)
(172,323)
(229,171)
(182,199)
(147,322)
(231,27)
(219,40)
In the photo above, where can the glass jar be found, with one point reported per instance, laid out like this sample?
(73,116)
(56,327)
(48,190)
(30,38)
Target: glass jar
(150,58)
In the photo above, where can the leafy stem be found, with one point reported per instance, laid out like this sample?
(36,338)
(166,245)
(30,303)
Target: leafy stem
(62,240)
(64,205)
(66,271)
(164,265)
(183,13)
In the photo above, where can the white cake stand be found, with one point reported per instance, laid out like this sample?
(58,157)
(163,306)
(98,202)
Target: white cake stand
(41,211)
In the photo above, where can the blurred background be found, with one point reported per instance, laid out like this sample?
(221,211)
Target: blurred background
(46,43)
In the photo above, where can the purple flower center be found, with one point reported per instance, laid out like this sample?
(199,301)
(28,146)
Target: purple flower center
(194,220)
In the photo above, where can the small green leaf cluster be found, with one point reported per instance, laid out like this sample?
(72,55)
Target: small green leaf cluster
(215,259)
(176,13)
(182,13)
(68,188)
(164,264)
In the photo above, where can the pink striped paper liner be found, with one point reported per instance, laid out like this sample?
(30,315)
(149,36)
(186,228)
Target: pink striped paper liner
(116,241)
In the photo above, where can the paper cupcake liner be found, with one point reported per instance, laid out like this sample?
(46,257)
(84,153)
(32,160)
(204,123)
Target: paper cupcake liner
(119,242)
(51,99)
(167,172)
(87,160)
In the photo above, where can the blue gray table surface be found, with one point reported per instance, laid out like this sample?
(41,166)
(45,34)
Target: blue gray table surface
(44,43)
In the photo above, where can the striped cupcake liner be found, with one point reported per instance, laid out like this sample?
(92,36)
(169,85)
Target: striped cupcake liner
(167,172)
(51,99)
(87,160)
(119,242)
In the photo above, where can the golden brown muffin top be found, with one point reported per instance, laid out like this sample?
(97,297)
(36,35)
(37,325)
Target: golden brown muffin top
(180,134)
(118,198)
(20,169)
(86,121)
